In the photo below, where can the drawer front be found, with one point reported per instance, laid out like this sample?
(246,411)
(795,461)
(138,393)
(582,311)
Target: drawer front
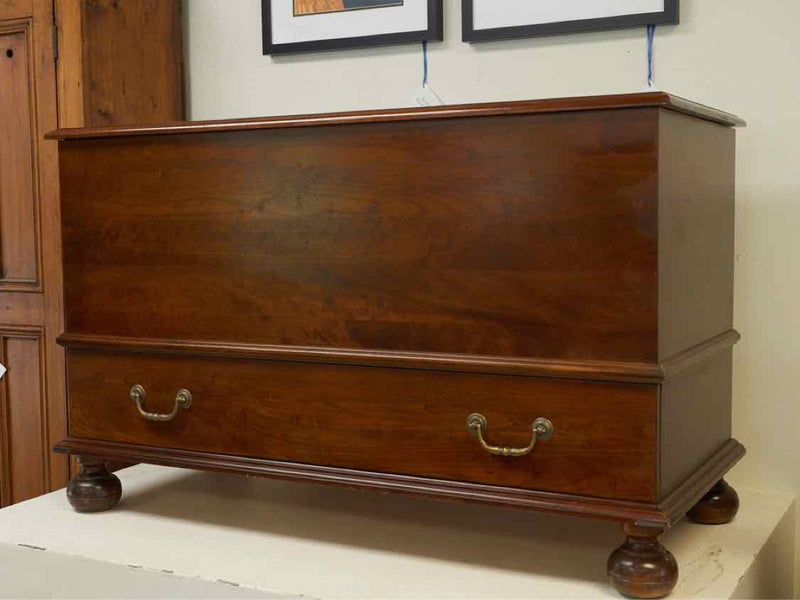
(376,419)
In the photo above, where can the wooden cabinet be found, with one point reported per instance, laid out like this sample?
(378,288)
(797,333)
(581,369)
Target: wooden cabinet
(120,61)
(32,405)
(90,76)
(526,304)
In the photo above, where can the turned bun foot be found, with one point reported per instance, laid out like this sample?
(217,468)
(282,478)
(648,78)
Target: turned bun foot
(717,507)
(642,567)
(93,489)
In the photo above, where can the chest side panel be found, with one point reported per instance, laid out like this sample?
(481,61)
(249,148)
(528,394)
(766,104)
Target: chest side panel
(697,165)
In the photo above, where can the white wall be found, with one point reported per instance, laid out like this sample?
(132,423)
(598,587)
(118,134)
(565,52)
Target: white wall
(738,55)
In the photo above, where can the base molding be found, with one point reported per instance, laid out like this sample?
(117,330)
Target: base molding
(663,514)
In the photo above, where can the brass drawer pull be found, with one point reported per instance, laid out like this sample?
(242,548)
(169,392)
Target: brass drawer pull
(542,430)
(182,400)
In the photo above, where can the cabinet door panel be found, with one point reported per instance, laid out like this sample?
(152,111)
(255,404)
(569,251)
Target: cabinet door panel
(32,406)
(18,238)
(22,427)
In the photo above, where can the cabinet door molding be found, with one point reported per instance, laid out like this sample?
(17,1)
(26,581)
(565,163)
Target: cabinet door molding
(24,462)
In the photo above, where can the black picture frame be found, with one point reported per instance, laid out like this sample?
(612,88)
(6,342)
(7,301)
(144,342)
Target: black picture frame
(434,32)
(670,15)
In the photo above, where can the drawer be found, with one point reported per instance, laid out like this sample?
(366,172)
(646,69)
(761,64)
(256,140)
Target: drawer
(376,419)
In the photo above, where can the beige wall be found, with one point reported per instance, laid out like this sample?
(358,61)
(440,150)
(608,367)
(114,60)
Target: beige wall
(738,55)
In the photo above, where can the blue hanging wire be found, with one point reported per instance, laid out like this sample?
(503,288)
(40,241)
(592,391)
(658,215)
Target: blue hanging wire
(424,63)
(651,35)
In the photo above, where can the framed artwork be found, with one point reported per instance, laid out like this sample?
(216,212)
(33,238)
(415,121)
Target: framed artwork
(314,25)
(486,20)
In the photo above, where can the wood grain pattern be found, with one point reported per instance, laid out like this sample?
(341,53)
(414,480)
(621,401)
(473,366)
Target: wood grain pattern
(362,238)
(30,289)
(340,291)
(132,61)
(21,308)
(25,388)
(30,303)
(15,9)
(50,226)
(69,67)
(101,80)
(377,419)
(25,463)
(119,63)
(626,372)
(18,189)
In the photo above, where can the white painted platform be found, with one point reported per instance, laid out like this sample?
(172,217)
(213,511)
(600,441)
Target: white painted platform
(184,534)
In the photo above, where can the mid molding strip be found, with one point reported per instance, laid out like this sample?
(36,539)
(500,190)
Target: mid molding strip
(699,353)
(625,372)
(645,514)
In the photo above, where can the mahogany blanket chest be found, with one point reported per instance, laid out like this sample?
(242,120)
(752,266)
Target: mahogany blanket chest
(526,304)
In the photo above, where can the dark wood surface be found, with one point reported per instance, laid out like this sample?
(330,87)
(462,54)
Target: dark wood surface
(355,245)
(360,237)
(694,418)
(695,287)
(339,298)
(408,422)
(696,231)
(663,514)
(458,111)
(642,567)
(601,370)
(619,371)
(717,507)
(691,491)
(94,488)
